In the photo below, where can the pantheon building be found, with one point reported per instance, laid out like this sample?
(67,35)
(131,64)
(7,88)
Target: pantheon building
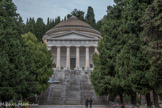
(73,44)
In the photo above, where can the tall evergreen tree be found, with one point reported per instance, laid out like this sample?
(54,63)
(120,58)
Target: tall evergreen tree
(30,26)
(12,57)
(65,18)
(152,34)
(51,24)
(47,26)
(132,56)
(39,28)
(122,60)
(90,17)
(21,25)
(108,48)
(57,20)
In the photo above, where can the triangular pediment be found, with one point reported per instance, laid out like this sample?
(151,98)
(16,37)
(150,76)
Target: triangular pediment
(73,35)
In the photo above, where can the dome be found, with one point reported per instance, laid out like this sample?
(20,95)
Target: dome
(72,24)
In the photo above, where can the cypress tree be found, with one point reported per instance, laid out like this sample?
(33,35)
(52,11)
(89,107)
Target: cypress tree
(47,26)
(39,28)
(90,17)
(57,21)
(12,57)
(30,26)
(122,62)
(132,61)
(152,23)
(108,48)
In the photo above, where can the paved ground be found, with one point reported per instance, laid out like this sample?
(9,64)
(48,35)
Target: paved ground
(68,106)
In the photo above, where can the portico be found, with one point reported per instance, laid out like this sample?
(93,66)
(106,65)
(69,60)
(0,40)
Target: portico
(63,57)
(73,44)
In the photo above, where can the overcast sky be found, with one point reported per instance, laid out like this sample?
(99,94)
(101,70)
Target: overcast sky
(54,8)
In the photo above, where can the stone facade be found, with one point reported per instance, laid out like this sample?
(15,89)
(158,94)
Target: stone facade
(73,44)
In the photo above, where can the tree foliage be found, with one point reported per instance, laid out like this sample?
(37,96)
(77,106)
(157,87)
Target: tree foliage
(152,34)
(42,60)
(39,28)
(13,69)
(108,48)
(90,17)
(123,65)
(77,13)
(25,65)
(132,62)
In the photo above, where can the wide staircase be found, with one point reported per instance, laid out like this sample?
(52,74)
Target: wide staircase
(73,88)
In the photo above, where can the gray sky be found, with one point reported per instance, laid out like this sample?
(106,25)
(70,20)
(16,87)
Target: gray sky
(54,8)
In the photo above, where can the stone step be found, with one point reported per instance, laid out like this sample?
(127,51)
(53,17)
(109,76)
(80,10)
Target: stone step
(57,100)
(72,102)
(72,99)
(73,89)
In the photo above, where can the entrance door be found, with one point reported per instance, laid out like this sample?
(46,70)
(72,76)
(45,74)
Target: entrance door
(72,63)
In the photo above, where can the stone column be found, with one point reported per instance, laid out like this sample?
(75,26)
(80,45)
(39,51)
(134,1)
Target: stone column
(87,58)
(77,58)
(68,58)
(58,58)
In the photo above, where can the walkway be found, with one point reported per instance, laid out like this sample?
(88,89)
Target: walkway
(69,106)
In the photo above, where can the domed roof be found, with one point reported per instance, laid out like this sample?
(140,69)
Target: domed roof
(72,24)
(73,21)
